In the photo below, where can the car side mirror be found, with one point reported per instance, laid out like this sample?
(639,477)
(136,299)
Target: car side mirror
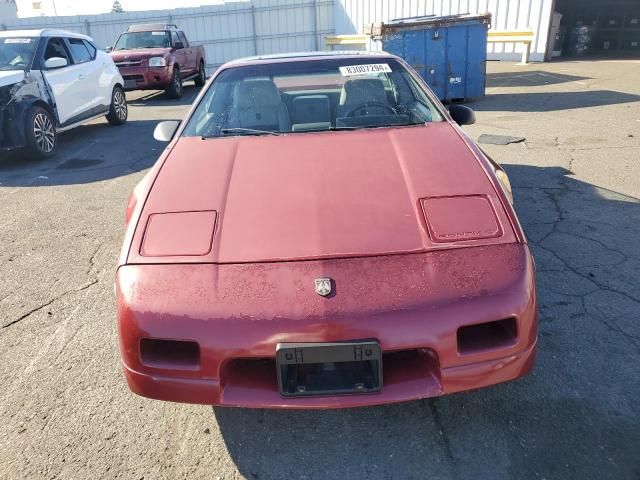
(462,115)
(108,49)
(55,62)
(165,131)
(179,45)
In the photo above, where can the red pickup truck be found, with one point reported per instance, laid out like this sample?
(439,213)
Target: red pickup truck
(158,57)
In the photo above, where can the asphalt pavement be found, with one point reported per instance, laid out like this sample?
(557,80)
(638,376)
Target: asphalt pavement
(65,410)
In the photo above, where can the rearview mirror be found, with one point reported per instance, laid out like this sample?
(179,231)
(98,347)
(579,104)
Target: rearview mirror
(179,46)
(462,115)
(55,62)
(165,131)
(108,49)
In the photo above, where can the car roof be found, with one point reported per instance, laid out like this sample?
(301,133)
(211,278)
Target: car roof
(149,27)
(306,56)
(43,32)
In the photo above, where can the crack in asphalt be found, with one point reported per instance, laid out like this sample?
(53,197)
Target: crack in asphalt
(555,195)
(612,325)
(50,302)
(572,159)
(538,244)
(12,292)
(597,286)
(446,441)
(93,257)
(624,256)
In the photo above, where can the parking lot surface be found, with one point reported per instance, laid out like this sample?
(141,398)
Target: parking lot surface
(65,411)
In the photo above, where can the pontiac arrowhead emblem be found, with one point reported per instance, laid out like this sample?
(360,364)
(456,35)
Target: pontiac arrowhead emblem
(323,286)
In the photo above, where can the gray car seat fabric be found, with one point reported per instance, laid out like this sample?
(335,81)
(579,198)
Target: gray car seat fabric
(361,91)
(257,104)
(311,109)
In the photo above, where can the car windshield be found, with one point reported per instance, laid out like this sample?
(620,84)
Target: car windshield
(340,93)
(16,53)
(133,40)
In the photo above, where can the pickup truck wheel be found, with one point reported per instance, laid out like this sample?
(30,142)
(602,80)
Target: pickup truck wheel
(175,89)
(118,111)
(201,79)
(40,133)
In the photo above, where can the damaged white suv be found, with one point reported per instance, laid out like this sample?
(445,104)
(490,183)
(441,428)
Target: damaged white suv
(52,81)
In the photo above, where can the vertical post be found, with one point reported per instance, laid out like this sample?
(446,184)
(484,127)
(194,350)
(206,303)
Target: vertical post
(255,34)
(525,52)
(315,25)
(87,27)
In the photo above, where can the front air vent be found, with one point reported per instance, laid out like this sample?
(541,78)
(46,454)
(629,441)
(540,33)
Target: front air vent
(169,354)
(487,336)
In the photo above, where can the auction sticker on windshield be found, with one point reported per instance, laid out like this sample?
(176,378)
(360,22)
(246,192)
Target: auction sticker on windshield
(17,40)
(364,69)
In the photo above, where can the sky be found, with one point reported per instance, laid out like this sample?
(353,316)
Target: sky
(87,7)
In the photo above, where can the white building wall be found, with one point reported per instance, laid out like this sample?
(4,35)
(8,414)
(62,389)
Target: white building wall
(244,28)
(350,16)
(8,10)
(235,29)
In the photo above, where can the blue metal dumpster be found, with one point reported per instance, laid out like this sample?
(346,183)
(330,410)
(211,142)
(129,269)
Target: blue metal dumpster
(450,53)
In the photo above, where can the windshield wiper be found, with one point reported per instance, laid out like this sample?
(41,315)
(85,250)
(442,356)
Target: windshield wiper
(365,127)
(247,131)
(335,129)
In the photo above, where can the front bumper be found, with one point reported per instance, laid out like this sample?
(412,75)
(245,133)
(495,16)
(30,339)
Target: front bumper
(145,78)
(12,131)
(412,304)
(260,391)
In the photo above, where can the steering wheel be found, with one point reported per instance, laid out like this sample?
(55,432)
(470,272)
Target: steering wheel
(371,104)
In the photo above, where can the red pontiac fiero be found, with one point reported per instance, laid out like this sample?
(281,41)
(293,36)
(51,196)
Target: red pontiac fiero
(320,233)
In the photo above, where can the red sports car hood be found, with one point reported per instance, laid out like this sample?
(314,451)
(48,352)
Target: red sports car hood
(318,195)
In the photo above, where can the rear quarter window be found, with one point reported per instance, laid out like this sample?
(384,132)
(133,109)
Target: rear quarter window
(92,49)
(79,51)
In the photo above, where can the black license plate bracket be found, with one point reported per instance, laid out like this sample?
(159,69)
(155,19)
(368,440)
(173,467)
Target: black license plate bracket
(311,369)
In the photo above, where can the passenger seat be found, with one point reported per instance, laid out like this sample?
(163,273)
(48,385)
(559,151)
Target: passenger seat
(257,104)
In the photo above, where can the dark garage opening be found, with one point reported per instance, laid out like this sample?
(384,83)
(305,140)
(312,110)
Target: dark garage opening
(595,27)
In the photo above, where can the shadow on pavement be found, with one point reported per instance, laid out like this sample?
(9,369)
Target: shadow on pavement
(158,98)
(551,101)
(574,417)
(89,153)
(529,79)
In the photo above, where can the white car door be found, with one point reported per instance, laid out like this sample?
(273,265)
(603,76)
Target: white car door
(109,76)
(89,78)
(70,100)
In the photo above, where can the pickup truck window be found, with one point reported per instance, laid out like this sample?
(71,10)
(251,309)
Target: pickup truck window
(133,40)
(183,39)
(174,38)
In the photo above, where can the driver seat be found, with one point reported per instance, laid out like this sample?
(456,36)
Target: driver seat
(356,92)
